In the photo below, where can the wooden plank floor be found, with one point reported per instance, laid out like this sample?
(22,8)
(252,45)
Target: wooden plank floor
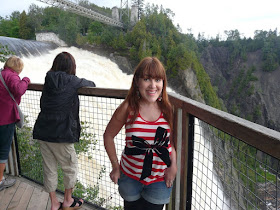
(27,195)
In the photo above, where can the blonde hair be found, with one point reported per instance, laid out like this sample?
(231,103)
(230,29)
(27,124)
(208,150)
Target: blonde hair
(14,63)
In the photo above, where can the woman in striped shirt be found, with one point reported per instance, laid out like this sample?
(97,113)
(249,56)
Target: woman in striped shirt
(147,168)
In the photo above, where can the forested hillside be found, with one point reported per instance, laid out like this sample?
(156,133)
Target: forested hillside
(246,75)
(242,72)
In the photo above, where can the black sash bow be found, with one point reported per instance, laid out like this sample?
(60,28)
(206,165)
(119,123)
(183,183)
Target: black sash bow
(141,146)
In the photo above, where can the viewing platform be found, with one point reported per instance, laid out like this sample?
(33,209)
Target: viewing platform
(224,162)
(27,195)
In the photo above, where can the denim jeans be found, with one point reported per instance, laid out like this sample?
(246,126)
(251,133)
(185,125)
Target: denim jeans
(132,190)
(6,138)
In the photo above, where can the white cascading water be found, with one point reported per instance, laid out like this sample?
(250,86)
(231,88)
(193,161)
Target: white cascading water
(208,192)
(106,74)
(101,70)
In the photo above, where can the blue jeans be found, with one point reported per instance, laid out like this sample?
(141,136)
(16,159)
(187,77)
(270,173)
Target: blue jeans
(6,138)
(132,190)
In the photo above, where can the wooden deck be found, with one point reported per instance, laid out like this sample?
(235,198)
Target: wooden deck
(27,195)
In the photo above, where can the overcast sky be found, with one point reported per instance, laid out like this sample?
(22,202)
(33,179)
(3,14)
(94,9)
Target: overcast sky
(210,17)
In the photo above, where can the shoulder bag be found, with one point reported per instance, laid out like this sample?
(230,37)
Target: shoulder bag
(20,123)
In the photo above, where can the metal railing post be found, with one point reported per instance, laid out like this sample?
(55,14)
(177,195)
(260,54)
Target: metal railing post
(190,161)
(179,154)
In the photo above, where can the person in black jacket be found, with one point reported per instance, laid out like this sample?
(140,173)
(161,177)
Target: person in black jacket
(58,127)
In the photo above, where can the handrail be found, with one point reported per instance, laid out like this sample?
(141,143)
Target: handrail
(237,127)
(250,132)
(90,91)
(185,110)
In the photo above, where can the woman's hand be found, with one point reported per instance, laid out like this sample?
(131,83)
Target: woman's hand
(115,174)
(113,128)
(170,175)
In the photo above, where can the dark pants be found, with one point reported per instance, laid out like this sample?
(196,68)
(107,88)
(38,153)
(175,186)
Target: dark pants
(6,138)
(142,204)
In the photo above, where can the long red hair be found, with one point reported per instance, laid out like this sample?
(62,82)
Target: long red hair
(152,67)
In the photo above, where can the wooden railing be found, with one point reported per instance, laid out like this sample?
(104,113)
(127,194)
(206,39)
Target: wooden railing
(262,138)
(185,110)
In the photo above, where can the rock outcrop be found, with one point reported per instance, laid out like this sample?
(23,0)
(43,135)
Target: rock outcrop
(261,105)
(50,37)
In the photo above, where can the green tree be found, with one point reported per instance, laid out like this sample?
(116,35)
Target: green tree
(95,32)
(270,52)
(67,28)
(232,35)
(136,39)
(25,32)
(50,21)
(119,42)
(35,17)
(10,26)
(205,85)
(155,47)
(179,58)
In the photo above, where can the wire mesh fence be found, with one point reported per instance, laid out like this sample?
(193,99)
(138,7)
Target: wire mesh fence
(94,166)
(227,172)
(230,174)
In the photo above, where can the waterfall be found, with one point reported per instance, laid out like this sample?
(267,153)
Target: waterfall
(208,192)
(26,47)
(105,74)
(101,70)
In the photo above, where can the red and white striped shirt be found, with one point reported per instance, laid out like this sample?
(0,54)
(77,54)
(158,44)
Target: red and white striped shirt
(132,165)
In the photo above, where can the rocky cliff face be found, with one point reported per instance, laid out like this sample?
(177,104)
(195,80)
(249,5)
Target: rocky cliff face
(261,104)
(186,84)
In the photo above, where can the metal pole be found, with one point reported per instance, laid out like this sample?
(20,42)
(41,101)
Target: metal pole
(190,162)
